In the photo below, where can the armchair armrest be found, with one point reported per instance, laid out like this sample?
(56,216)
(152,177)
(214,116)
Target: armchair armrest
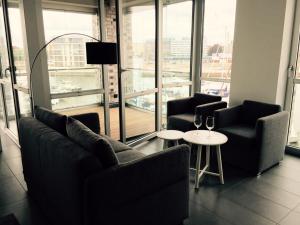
(227,117)
(91,120)
(179,106)
(271,135)
(209,108)
(126,185)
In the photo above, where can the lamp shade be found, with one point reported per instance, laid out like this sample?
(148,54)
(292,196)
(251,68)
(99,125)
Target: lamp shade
(101,53)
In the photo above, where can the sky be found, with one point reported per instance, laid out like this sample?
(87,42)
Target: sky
(177,19)
(219,16)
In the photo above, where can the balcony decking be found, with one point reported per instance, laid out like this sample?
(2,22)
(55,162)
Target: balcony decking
(137,121)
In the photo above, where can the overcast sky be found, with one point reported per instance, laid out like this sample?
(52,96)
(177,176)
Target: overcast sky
(219,17)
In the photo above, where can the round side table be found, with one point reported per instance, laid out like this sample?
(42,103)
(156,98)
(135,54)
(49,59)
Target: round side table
(206,138)
(170,135)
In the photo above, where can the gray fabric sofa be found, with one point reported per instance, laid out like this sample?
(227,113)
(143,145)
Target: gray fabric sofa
(257,134)
(71,187)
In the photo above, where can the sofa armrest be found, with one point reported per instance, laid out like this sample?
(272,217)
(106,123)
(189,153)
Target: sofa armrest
(179,106)
(271,135)
(227,117)
(209,108)
(91,120)
(128,184)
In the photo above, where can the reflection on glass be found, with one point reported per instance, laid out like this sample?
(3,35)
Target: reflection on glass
(219,20)
(135,81)
(140,115)
(18,45)
(10,108)
(294,133)
(171,94)
(216,88)
(66,55)
(138,51)
(24,101)
(5,74)
(78,101)
(139,34)
(176,45)
(62,81)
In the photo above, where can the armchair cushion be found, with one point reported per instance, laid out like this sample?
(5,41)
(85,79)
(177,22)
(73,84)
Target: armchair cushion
(52,119)
(253,110)
(240,134)
(182,122)
(91,142)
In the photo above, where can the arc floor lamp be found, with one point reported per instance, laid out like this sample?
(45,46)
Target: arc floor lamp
(96,53)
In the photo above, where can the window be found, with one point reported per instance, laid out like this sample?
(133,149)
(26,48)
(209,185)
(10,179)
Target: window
(68,71)
(219,18)
(176,51)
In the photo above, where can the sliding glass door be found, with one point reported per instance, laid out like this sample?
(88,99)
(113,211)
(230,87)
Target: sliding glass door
(138,57)
(293,87)
(6,79)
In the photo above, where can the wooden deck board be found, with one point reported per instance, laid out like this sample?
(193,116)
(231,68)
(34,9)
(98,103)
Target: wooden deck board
(137,121)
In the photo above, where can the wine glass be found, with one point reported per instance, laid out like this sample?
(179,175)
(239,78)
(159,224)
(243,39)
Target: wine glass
(210,123)
(197,120)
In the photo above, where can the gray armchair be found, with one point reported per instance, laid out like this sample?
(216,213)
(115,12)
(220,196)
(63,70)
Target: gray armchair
(256,134)
(180,112)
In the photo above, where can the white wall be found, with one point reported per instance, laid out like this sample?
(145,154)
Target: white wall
(263,31)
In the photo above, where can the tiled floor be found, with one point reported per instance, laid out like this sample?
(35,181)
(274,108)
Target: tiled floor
(273,198)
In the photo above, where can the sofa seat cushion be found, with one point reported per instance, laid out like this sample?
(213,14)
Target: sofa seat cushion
(240,134)
(182,122)
(91,142)
(116,145)
(129,155)
(52,119)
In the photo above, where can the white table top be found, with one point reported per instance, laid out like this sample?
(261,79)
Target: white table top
(170,134)
(202,137)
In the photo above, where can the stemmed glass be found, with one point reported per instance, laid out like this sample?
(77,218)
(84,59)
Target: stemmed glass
(210,123)
(197,120)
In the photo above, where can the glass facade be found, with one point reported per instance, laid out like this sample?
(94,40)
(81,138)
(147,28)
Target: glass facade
(219,19)
(68,71)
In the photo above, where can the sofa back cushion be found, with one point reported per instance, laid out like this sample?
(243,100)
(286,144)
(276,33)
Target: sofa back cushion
(200,99)
(253,110)
(52,119)
(91,142)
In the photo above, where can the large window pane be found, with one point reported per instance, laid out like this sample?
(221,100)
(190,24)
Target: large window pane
(294,134)
(24,101)
(67,55)
(140,115)
(176,45)
(171,94)
(138,50)
(219,20)
(18,45)
(216,88)
(138,81)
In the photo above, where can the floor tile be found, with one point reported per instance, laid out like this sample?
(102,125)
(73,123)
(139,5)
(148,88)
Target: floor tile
(271,192)
(284,183)
(292,219)
(256,203)
(15,165)
(11,191)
